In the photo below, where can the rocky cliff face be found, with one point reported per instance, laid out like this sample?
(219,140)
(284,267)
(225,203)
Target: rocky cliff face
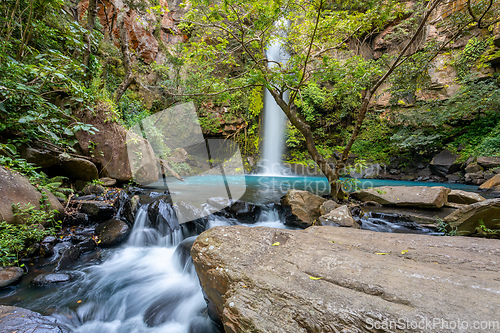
(146,30)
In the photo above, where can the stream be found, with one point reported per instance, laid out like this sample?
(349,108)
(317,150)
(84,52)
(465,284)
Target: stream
(149,283)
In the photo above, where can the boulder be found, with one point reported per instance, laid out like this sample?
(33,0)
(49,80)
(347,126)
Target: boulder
(107,182)
(327,279)
(444,163)
(419,196)
(39,157)
(50,278)
(473,167)
(93,189)
(109,148)
(97,210)
(491,183)
(488,162)
(243,211)
(339,217)
(68,257)
(19,320)
(77,168)
(14,188)
(10,275)
(112,232)
(304,207)
(463,197)
(467,219)
(327,206)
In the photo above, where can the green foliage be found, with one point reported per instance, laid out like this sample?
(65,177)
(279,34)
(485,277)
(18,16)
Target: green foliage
(41,77)
(467,120)
(472,52)
(16,239)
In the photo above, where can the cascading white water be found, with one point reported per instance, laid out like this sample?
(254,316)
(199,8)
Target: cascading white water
(149,285)
(273,140)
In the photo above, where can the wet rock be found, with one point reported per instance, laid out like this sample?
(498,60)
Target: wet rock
(463,197)
(77,168)
(488,162)
(68,257)
(162,215)
(419,196)
(50,278)
(14,189)
(304,207)
(112,232)
(473,167)
(86,197)
(326,279)
(10,275)
(46,250)
(107,182)
(492,183)
(219,202)
(87,245)
(444,163)
(339,217)
(77,219)
(19,320)
(97,210)
(50,240)
(467,220)
(244,211)
(327,206)
(93,189)
(128,207)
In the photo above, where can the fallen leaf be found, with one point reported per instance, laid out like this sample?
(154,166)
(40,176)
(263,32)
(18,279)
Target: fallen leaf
(333,241)
(276,244)
(404,252)
(315,278)
(381,253)
(79,301)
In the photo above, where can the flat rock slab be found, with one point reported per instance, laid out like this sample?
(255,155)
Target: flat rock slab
(464,197)
(10,275)
(19,320)
(409,196)
(328,279)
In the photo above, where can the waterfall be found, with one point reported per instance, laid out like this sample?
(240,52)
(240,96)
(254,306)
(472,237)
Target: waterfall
(273,139)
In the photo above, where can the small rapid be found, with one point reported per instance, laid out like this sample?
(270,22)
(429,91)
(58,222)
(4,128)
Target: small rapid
(147,285)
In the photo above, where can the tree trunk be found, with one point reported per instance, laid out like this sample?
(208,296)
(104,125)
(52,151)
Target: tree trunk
(91,14)
(129,77)
(290,111)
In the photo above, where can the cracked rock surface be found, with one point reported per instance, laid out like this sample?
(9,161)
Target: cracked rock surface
(329,279)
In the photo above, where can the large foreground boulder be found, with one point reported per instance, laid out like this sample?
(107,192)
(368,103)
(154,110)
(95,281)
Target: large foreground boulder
(19,320)
(14,189)
(468,219)
(304,207)
(410,196)
(327,279)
